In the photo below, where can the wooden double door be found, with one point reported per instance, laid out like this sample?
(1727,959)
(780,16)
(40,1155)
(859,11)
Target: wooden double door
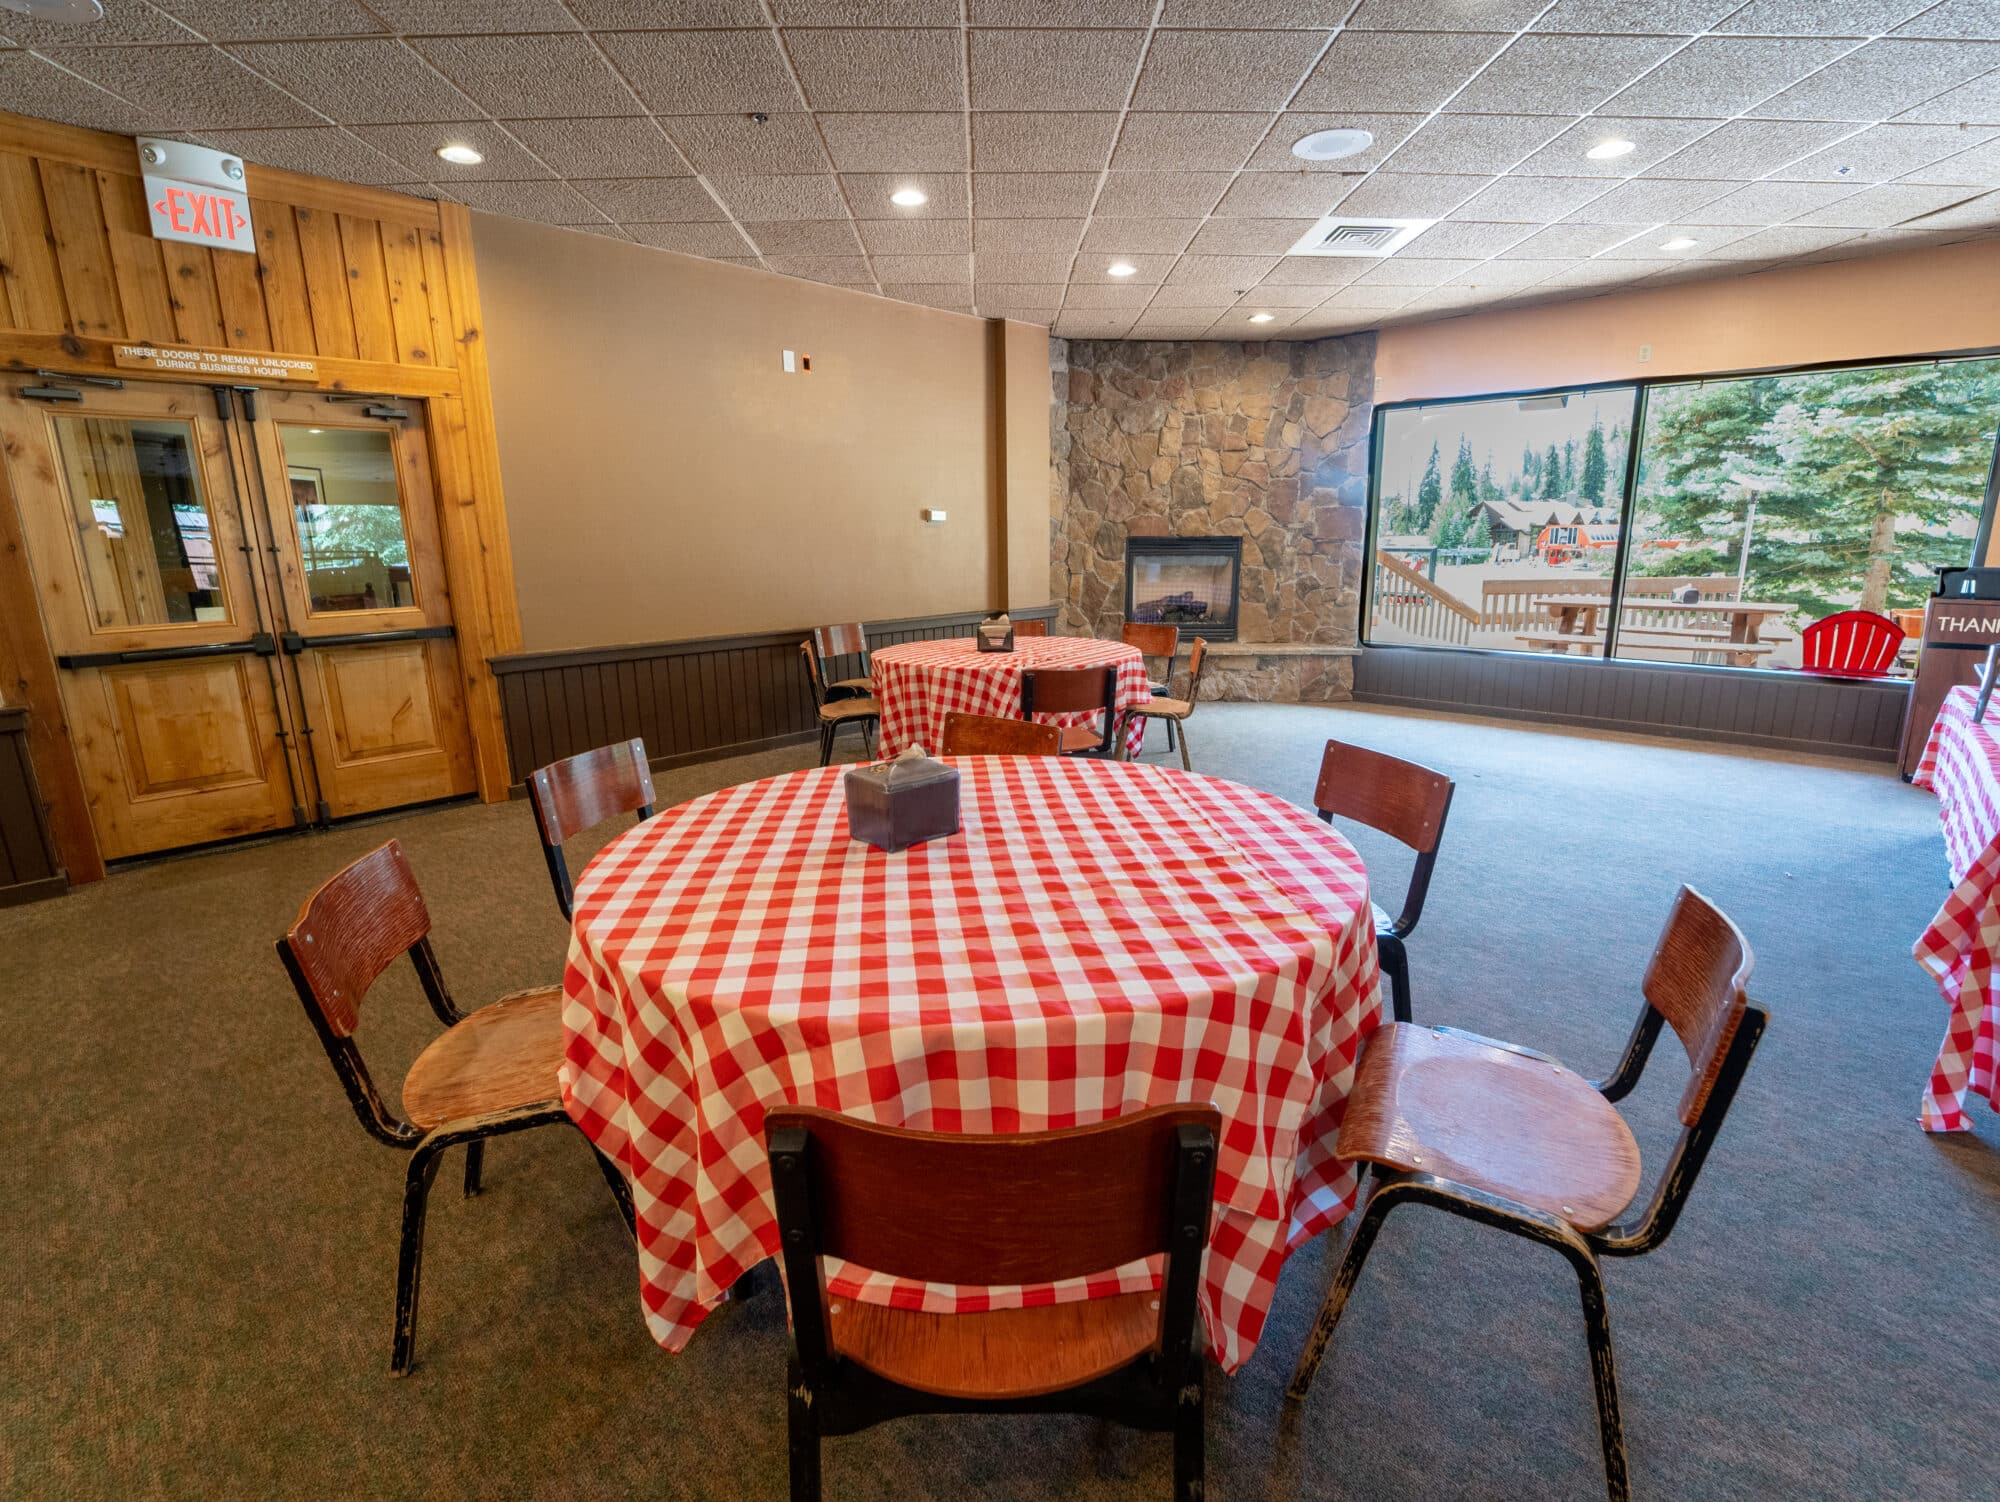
(246,599)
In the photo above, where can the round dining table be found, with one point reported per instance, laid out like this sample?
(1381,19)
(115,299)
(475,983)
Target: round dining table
(1098,937)
(918,683)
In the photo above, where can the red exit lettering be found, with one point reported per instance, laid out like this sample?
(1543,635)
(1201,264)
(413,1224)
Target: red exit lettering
(210,215)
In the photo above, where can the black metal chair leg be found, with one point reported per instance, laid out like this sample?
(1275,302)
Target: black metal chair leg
(416,1198)
(1394,961)
(1190,1442)
(802,1429)
(620,1190)
(1170,735)
(475,1161)
(868,739)
(1373,1210)
(825,741)
(1604,1377)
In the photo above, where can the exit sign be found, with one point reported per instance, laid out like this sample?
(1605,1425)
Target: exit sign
(196,195)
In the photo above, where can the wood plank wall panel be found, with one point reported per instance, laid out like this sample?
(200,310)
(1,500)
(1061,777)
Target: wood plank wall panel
(688,700)
(1861,720)
(28,866)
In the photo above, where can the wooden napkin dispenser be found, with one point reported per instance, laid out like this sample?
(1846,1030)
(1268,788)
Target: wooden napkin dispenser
(896,804)
(995,634)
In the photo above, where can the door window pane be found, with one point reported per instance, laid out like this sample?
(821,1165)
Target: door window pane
(1495,523)
(1768,503)
(143,524)
(349,512)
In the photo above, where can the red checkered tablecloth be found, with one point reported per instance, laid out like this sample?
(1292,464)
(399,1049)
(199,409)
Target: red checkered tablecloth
(919,683)
(1961,765)
(1099,937)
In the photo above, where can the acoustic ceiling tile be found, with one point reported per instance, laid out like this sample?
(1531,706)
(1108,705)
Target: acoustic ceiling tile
(736,143)
(1108,296)
(1889,205)
(1294,295)
(891,268)
(1981,213)
(947,196)
(1053,70)
(1513,273)
(544,202)
(1445,15)
(704,72)
(859,69)
(1778,243)
(36,87)
(1391,70)
(125,21)
(1975,103)
(1849,18)
(1474,143)
(837,271)
(323,151)
(1275,154)
(1304,15)
(1722,76)
(1187,142)
(1144,195)
(1278,195)
(1964,19)
(1560,74)
(1646,200)
(762,199)
(1400,273)
(891,143)
(271,20)
(806,237)
(1883,152)
(1979,167)
(546,77)
(652,200)
(1315,271)
(1047,14)
(473,17)
(1413,195)
(1646,17)
(1464,238)
(1248,237)
(953,297)
(634,147)
(416,147)
(1744,149)
(196,88)
(657,15)
(915,237)
(1239,272)
(1093,324)
(1568,242)
(1230,70)
(1568,155)
(1032,266)
(1027,234)
(1032,195)
(1148,269)
(1650,244)
(1773,202)
(1140,236)
(1883,78)
(853,12)
(694,239)
(1042,141)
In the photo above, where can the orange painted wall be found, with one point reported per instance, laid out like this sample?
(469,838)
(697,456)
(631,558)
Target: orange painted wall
(1914,302)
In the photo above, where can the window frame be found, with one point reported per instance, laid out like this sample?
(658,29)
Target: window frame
(1642,388)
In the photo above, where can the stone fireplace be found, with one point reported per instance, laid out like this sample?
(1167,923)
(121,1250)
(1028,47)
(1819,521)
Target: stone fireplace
(1189,582)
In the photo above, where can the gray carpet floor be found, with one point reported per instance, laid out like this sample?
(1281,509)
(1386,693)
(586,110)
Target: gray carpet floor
(197,1264)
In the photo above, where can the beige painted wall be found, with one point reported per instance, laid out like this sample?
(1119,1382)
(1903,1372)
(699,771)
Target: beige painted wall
(665,479)
(1915,302)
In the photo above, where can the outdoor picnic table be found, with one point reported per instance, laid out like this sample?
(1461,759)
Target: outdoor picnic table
(1577,614)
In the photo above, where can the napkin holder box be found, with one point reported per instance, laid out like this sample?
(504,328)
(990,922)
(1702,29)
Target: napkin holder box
(902,803)
(990,640)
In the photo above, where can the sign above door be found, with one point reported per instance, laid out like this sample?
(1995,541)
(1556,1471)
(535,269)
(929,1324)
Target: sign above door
(196,195)
(232,364)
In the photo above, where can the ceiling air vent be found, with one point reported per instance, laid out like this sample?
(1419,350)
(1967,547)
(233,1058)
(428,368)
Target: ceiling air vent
(1334,236)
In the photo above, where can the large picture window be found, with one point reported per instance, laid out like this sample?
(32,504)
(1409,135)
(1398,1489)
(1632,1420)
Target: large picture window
(1752,508)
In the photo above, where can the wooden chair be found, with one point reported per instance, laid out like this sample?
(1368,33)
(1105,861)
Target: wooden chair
(1851,644)
(1510,1138)
(834,713)
(1176,711)
(1155,641)
(1031,628)
(849,640)
(490,1072)
(571,795)
(983,735)
(985,1210)
(1075,691)
(1409,804)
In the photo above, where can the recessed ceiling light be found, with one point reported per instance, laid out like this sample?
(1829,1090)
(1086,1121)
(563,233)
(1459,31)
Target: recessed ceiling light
(63,12)
(1681,242)
(909,198)
(1332,145)
(1122,268)
(1611,150)
(461,156)
(1262,317)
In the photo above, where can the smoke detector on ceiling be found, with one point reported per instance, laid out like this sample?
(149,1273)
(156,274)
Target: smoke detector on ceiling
(62,12)
(1335,236)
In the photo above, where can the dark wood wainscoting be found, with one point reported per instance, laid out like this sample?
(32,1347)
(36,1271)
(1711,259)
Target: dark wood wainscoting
(1784,711)
(28,865)
(689,700)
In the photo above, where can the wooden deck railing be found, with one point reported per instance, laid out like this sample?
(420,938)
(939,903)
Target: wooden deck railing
(1511,604)
(1405,599)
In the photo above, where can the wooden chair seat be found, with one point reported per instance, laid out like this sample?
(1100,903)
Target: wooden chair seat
(1164,708)
(853,685)
(1077,739)
(501,1056)
(1511,1123)
(998,1353)
(850,709)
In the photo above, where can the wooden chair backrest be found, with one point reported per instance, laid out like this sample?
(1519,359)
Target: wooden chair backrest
(812,671)
(983,735)
(844,640)
(1152,640)
(1197,660)
(999,1209)
(1696,981)
(571,795)
(1068,690)
(1031,628)
(1405,801)
(358,923)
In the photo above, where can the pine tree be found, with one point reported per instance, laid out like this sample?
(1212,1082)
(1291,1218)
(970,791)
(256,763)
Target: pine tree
(1464,479)
(1488,491)
(1429,493)
(1865,480)
(1552,474)
(1569,466)
(1594,468)
(1531,473)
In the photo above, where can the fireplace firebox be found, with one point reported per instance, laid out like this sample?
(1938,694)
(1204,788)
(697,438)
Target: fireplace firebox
(1189,582)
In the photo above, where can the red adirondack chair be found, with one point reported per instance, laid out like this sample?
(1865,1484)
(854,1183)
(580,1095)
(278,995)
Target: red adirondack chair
(1852,644)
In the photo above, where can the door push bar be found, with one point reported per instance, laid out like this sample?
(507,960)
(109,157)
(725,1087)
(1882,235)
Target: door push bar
(294,643)
(263,644)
